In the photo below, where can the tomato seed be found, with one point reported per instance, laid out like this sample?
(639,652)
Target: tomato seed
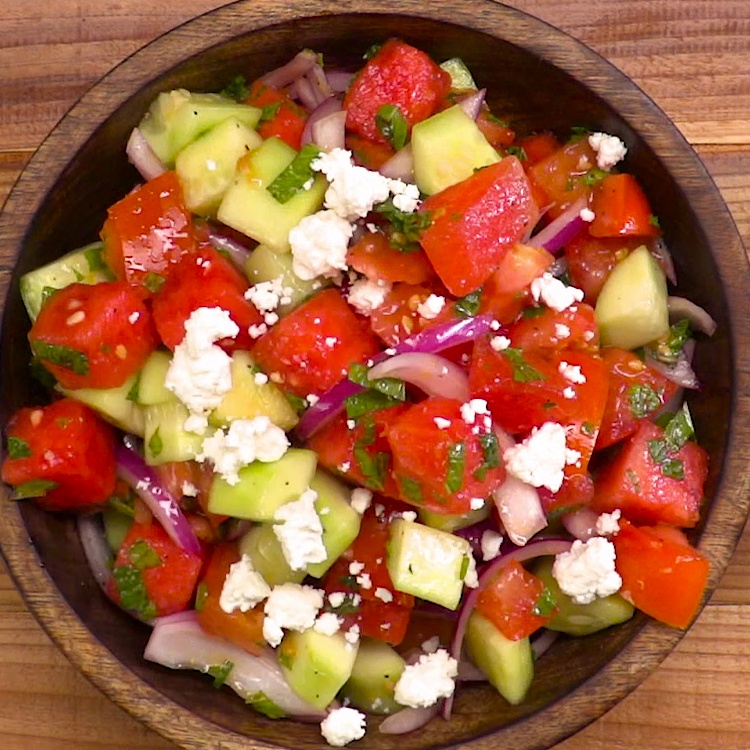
(36,417)
(77,317)
(121,352)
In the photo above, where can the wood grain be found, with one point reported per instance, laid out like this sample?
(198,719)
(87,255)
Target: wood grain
(690,57)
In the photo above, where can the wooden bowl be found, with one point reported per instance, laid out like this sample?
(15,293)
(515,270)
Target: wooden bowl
(539,78)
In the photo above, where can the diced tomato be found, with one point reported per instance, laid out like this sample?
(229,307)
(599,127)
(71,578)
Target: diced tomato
(621,209)
(152,576)
(545,328)
(313,347)
(367,153)
(636,484)
(516,602)
(476,222)
(397,318)
(362,454)
(497,133)
(443,465)
(282,117)
(396,74)
(560,178)
(93,336)
(204,279)
(243,629)
(148,231)
(67,449)
(506,291)
(375,257)
(636,392)
(537,147)
(662,577)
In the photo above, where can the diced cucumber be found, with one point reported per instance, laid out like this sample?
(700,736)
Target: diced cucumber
(249,208)
(116,527)
(206,166)
(376,671)
(451,523)
(84,265)
(339,520)
(265,264)
(263,547)
(151,388)
(114,404)
(632,307)
(461,77)
(176,118)
(264,487)
(448,147)
(165,438)
(316,665)
(427,563)
(248,399)
(508,665)
(582,619)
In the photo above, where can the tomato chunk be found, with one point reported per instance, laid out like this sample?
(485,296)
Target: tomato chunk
(93,336)
(396,74)
(397,318)
(661,576)
(367,153)
(648,492)
(376,258)
(282,116)
(476,222)
(148,231)
(152,576)
(313,347)
(66,450)
(621,209)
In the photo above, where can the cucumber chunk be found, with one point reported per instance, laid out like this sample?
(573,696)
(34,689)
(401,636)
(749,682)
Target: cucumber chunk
(508,665)
(164,438)
(450,523)
(249,208)
(582,619)
(315,665)
(427,563)
(461,77)
(372,684)
(151,388)
(448,147)
(632,307)
(262,546)
(264,487)
(116,527)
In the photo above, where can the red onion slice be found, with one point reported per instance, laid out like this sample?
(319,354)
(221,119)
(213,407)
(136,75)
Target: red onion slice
(237,252)
(183,644)
(98,554)
(541,644)
(520,509)
(400,166)
(581,523)
(328,106)
(330,131)
(681,372)
(319,82)
(142,156)
(303,90)
(132,469)
(409,719)
(699,319)
(561,230)
(297,67)
(472,103)
(663,257)
(339,80)
(435,375)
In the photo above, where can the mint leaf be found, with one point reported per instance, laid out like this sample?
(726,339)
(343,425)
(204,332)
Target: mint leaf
(293,179)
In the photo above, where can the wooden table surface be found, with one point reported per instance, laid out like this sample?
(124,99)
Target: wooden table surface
(690,56)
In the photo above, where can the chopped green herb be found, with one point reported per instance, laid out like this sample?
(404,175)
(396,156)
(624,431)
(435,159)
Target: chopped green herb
(490,454)
(63,356)
(297,403)
(18,448)
(468,306)
(407,227)
(677,432)
(236,89)
(633,477)
(123,502)
(594,176)
(269,112)
(153,282)
(348,607)
(155,444)
(201,593)
(545,604)
(373,466)
(220,672)
(143,555)
(412,489)
(261,703)
(132,591)
(642,400)
(588,429)
(523,372)
(530,313)
(496,120)
(679,429)
(93,255)
(286,657)
(41,374)
(668,348)
(47,292)
(134,389)
(371,51)
(654,221)
(392,125)
(293,179)
(392,387)
(454,476)
(578,133)
(517,151)
(549,404)
(465,562)
(366,402)
(34,488)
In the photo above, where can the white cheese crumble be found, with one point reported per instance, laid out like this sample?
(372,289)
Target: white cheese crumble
(608,524)
(319,245)
(554,293)
(499,343)
(327,623)
(572,373)
(473,408)
(562,331)
(343,725)
(385,595)
(189,489)
(442,423)
(471,579)
(266,295)
(366,295)
(290,607)
(476,503)
(405,195)
(352,635)
(300,531)
(243,587)
(540,459)
(569,392)
(245,441)
(610,150)
(424,683)
(587,215)
(491,542)
(431,307)
(587,572)
(260,378)
(361,500)
(431,645)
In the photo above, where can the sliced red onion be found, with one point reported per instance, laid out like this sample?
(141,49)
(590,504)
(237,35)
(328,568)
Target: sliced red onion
(409,719)
(663,257)
(558,267)
(467,672)
(328,106)
(132,469)
(303,90)
(142,156)
(319,82)
(238,252)
(581,523)
(94,542)
(400,166)
(329,132)
(520,509)
(529,552)
(297,67)
(700,320)
(681,372)
(472,103)
(541,644)
(429,341)
(561,230)
(339,80)
(435,375)
(473,534)
(183,644)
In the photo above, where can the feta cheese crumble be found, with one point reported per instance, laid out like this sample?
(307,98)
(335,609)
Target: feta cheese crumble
(587,571)
(405,195)
(319,245)
(473,408)
(290,607)
(571,373)
(442,423)
(266,295)
(499,343)
(553,293)
(608,524)
(490,543)
(431,307)
(361,500)
(540,459)
(300,531)
(562,331)
(243,587)
(327,623)
(424,683)
(343,725)
(587,215)
(610,150)
(366,295)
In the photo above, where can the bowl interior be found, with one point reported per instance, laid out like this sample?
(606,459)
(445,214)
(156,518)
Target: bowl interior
(538,79)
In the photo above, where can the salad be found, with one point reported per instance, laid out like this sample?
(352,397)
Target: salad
(363,395)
